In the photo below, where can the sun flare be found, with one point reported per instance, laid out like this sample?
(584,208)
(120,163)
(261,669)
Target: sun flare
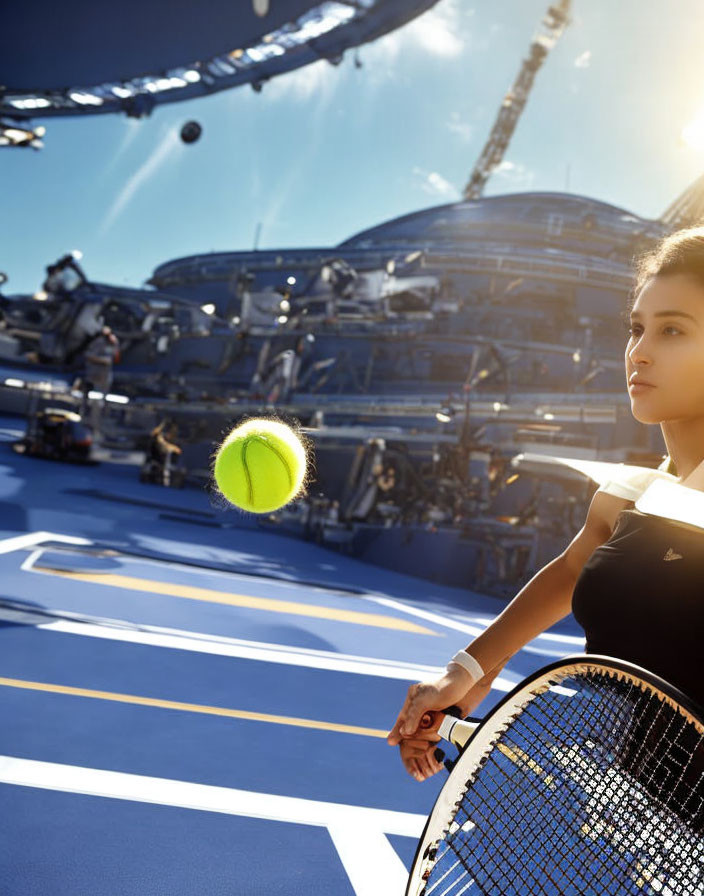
(693,132)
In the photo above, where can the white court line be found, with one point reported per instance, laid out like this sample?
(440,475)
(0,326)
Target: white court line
(195,642)
(31,559)
(35,538)
(474,630)
(427,615)
(202,643)
(358,832)
(30,539)
(372,864)
(575,640)
(498,684)
(211,572)
(291,656)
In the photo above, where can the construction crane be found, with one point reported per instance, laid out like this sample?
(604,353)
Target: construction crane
(555,22)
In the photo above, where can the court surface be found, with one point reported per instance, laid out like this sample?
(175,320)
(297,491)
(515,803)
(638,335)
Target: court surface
(193,705)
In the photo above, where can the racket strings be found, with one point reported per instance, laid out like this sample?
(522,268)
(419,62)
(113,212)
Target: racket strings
(577,867)
(665,753)
(535,817)
(498,782)
(665,756)
(598,792)
(655,776)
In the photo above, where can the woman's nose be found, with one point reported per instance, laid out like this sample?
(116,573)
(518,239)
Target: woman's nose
(639,352)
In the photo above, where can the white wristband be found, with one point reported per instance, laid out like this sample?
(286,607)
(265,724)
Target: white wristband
(468,663)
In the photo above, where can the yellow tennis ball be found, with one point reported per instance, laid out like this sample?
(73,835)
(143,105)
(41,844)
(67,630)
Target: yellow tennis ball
(261,465)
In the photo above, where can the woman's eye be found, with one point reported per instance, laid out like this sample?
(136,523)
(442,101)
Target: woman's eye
(634,331)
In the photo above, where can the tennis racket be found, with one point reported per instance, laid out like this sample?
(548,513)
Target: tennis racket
(587,779)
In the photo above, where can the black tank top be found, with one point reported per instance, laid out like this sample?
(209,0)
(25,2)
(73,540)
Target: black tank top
(640,597)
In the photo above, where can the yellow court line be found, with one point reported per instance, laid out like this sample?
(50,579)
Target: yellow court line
(192,592)
(190,707)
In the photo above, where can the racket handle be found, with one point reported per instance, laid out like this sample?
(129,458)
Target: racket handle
(450,725)
(433,718)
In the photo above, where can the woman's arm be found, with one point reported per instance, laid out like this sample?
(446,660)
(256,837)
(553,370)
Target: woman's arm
(542,602)
(547,597)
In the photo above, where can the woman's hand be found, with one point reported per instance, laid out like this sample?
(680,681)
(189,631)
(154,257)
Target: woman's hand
(418,757)
(439,694)
(418,749)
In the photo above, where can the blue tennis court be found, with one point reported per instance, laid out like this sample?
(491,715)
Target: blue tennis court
(205,708)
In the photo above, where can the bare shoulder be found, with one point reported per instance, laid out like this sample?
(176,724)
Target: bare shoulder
(604,510)
(598,526)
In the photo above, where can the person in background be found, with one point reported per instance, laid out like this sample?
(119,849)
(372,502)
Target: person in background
(387,494)
(102,352)
(163,450)
(387,482)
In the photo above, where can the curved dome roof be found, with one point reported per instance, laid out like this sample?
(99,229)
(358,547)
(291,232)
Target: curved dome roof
(555,219)
(78,57)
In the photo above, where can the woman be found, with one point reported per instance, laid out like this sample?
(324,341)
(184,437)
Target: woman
(633,577)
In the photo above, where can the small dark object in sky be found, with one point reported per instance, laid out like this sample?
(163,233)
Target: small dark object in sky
(191,131)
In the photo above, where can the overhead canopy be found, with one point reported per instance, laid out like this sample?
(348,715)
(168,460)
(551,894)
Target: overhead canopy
(78,56)
(78,43)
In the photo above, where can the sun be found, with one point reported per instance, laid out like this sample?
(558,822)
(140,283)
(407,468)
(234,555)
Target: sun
(693,132)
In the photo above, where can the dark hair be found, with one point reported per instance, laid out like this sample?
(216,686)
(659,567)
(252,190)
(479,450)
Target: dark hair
(682,252)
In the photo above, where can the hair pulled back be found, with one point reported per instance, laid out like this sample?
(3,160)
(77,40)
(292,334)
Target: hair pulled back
(681,252)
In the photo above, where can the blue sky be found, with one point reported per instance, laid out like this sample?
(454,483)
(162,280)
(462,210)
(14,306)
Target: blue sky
(325,151)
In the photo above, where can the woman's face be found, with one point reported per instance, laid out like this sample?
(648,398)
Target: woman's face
(666,349)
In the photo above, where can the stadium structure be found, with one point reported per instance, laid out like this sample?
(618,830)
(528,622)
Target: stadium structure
(446,343)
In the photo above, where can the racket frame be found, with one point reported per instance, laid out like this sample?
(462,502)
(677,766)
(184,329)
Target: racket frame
(475,741)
